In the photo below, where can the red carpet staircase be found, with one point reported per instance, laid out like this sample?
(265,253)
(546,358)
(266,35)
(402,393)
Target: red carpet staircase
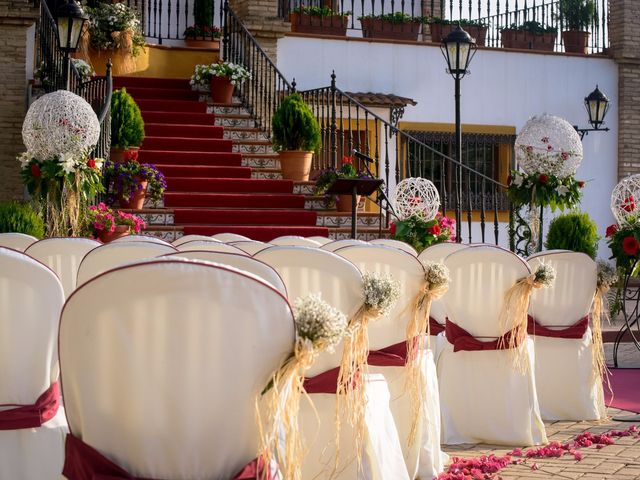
(211,161)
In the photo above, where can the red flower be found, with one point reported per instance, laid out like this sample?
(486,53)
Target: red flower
(91,163)
(581,183)
(347,160)
(611,230)
(543,179)
(131,155)
(545,140)
(392,228)
(631,246)
(629,204)
(435,230)
(35,170)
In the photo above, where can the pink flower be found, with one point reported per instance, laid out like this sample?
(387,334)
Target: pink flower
(516,452)
(544,139)
(535,466)
(578,456)
(549,148)
(564,155)
(529,148)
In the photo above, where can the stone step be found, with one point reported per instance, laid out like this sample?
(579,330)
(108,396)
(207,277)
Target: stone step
(304,188)
(168,233)
(233,109)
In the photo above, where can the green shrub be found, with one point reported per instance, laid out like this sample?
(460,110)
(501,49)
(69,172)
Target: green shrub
(294,126)
(574,231)
(20,218)
(203,13)
(127,126)
(576,14)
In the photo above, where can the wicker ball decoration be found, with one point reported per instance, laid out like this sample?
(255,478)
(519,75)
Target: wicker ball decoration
(417,197)
(59,123)
(624,197)
(550,145)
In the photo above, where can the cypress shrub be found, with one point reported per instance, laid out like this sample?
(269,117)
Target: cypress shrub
(294,126)
(574,231)
(127,126)
(20,217)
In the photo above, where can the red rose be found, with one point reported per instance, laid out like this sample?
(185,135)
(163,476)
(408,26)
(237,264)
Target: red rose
(631,246)
(347,160)
(91,163)
(131,155)
(581,183)
(543,179)
(35,170)
(435,230)
(629,204)
(392,228)
(611,230)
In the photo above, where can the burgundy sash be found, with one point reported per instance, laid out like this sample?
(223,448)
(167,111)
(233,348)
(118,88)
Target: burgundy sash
(325,382)
(463,340)
(575,331)
(435,327)
(32,416)
(83,462)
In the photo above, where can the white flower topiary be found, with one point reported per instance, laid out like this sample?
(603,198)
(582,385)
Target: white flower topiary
(417,197)
(60,124)
(624,198)
(550,145)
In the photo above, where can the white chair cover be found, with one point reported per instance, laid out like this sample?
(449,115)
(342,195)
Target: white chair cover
(294,240)
(163,382)
(111,255)
(503,407)
(437,253)
(140,238)
(63,256)
(31,299)
(567,390)
(17,241)
(229,237)
(250,247)
(390,242)
(311,270)
(190,238)
(336,244)
(209,245)
(241,262)
(320,239)
(424,458)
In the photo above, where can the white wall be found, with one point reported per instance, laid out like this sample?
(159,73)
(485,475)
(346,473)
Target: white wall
(504,88)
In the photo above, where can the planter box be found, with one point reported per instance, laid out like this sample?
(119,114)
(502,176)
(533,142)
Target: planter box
(441,30)
(528,41)
(375,28)
(333,25)
(196,43)
(576,41)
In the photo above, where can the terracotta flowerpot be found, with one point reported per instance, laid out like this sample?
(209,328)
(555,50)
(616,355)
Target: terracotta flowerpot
(576,41)
(376,28)
(528,41)
(136,201)
(296,165)
(305,23)
(440,30)
(119,155)
(209,44)
(121,231)
(221,90)
(343,202)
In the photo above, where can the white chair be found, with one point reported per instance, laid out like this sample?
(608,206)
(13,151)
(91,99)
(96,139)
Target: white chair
(209,245)
(250,247)
(241,262)
(295,241)
(503,407)
(229,237)
(305,271)
(424,459)
(140,238)
(150,381)
(16,241)
(390,242)
(437,253)
(567,388)
(30,305)
(63,256)
(113,254)
(320,239)
(336,244)
(190,238)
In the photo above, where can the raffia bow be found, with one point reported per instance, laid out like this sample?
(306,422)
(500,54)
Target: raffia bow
(600,373)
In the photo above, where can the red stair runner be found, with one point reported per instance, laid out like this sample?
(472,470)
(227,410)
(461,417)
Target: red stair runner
(207,186)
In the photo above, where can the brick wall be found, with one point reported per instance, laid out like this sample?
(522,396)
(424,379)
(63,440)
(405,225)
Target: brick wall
(15,18)
(624,37)
(261,19)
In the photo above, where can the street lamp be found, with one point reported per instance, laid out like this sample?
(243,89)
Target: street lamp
(70,20)
(597,105)
(458,48)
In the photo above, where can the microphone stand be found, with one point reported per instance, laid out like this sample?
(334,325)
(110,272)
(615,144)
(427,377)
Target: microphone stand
(381,194)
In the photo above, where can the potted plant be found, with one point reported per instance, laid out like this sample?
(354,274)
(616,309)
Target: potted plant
(108,224)
(392,26)
(203,33)
(576,16)
(222,78)
(421,233)
(296,136)
(439,28)
(319,21)
(530,35)
(574,231)
(127,126)
(129,183)
(327,177)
